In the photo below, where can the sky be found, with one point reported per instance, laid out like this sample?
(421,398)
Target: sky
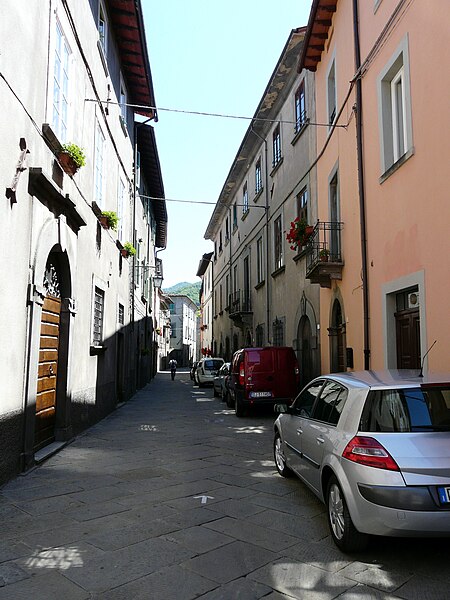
(207,56)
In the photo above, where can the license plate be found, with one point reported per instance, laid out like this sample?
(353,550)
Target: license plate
(260,394)
(444,495)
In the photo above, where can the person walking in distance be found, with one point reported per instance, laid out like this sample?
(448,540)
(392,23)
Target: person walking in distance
(173,368)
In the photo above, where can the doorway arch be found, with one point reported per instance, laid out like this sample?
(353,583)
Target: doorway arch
(336,334)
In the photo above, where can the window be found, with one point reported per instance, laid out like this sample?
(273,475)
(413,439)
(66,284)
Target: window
(300,107)
(220,298)
(138,170)
(331,93)
(259,260)
(245,199)
(120,209)
(220,242)
(258,177)
(330,404)
(121,314)
(259,336)
(235,224)
(61,85)
(395,108)
(123,106)
(304,402)
(302,204)
(102,27)
(227,229)
(276,146)
(97,328)
(278,243)
(98,174)
(278,327)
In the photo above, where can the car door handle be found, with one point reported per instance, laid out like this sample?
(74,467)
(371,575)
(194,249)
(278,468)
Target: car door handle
(320,440)
(299,430)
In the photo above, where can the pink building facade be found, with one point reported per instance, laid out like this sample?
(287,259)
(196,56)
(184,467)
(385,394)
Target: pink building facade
(382,183)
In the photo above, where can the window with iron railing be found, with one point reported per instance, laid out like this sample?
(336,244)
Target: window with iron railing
(97,327)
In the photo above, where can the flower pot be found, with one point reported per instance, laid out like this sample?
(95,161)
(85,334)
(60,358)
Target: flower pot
(67,163)
(124,252)
(104,221)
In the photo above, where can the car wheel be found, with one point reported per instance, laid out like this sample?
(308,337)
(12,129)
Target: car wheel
(229,400)
(238,408)
(280,459)
(215,392)
(344,533)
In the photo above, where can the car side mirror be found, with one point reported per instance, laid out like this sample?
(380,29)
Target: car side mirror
(281,408)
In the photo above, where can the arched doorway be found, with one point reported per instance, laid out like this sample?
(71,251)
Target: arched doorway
(305,352)
(52,415)
(337,339)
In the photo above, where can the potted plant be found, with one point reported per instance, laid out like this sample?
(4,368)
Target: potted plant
(109,219)
(128,250)
(71,158)
(324,254)
(299,233)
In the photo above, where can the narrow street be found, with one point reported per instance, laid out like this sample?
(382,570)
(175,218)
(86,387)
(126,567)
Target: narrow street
(173,497)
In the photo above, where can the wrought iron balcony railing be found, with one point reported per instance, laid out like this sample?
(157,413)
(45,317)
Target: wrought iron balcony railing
(240,302)
(324,260)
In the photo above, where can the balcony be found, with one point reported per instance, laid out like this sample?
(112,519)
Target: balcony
(323,254)
(240,305)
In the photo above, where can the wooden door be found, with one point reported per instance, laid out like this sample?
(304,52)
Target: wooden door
(44,432)
(408,339)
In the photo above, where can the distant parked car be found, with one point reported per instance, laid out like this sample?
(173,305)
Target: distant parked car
(193,369)
(207,369)
(374,447)
(220,379)
(262,376)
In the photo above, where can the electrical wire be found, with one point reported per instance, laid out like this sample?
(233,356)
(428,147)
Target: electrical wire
(206,114)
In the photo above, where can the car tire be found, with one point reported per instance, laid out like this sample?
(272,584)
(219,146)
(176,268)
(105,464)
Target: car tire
(345,535)
(279,458)
(229,400)
(238,408)
(215,392)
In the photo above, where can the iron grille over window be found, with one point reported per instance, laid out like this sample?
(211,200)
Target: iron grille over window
(300,107)
(278,332)
(276,146)
(121,314)
(99,302)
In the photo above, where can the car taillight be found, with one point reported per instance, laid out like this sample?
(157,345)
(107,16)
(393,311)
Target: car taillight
(369,452)
(241,376)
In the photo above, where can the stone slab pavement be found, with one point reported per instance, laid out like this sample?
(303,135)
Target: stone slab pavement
(173,497)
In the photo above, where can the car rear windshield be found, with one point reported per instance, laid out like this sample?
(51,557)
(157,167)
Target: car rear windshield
(212,365)
(425,408)
(260,361)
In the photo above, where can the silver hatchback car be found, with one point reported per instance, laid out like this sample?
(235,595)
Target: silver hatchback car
(375,448)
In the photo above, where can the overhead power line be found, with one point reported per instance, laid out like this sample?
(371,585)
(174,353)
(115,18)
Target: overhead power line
(206,114)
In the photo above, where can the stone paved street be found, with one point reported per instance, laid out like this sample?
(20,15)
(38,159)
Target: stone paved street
(174,497)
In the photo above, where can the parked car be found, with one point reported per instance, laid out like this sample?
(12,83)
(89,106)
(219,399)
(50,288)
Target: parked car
(207,369)
(374,447)
(193,369)
(220,379)
(262,376)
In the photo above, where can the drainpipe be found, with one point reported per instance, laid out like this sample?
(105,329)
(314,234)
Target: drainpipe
(266,185)
(361,187)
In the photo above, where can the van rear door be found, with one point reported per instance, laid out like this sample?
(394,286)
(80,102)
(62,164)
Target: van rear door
(259,373)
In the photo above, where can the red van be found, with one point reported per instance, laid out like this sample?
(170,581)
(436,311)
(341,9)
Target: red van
(261,376)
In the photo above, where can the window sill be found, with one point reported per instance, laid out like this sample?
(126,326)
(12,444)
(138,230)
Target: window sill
(276,167)
(96,350)
(278,271)
(244,215)
(235,228)
(258,194)
(300,254)
(299,133)
(261,284)
(396,165)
